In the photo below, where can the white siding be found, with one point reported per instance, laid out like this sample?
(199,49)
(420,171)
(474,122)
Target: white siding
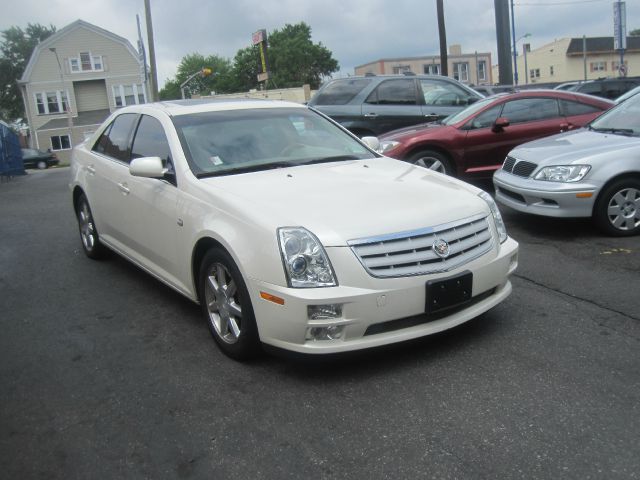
(91,95)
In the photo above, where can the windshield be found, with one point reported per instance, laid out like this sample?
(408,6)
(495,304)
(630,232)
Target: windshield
(623,119)
(467,112)
(240,141)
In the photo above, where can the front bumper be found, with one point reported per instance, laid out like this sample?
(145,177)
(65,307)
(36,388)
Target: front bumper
(550,199)
(368,301)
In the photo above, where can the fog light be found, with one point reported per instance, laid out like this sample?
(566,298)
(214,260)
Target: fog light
(324,312)
(332,332)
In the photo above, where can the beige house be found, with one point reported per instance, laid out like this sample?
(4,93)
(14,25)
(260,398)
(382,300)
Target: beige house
(74,80)
(470,68)
(565,60)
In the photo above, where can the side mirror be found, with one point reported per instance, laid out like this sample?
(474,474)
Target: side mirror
(500,123)
(372,142)
(149,167)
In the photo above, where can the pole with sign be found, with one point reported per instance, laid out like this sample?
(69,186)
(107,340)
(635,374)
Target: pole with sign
(620,32)
(260,38)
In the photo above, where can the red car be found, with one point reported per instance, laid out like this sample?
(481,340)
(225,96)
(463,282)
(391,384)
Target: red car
(474,142)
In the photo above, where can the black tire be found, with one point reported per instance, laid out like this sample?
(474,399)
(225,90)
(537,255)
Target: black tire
(89,237)
(616,211)
(433,161)
(226,306)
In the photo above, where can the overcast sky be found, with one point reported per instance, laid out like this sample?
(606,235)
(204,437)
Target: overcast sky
(356,31)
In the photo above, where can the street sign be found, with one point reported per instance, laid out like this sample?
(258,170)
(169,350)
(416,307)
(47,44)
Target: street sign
(623,70)
(619,25)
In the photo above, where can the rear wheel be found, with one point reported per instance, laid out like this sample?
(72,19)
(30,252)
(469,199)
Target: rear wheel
(91,244)
(226,305)
(433,161)
(617,211)
(41,165)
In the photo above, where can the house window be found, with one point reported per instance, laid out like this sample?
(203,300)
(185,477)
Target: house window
(401,69)
(551,70)
(598,66)
(461,71)
(51,102)
(534,73)
(431,69)
(60,142)
(124,95)
(482,70)
(86,62)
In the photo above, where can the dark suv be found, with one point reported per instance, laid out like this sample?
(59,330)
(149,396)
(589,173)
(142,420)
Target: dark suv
(373,105)
(610,88)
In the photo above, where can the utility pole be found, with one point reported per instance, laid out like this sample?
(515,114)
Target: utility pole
(515,48)
(444,61)
(153,78)
(502,37)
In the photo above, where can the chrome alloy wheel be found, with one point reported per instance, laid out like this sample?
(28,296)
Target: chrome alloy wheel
(623,210)
(87,229)
(431,163)
(223,304)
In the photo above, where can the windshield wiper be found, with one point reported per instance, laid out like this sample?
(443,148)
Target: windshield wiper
(335,158)
(621,131)
(247,169)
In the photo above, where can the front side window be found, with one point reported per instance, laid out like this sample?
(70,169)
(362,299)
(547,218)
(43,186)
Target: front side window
(437,92)
(401,91)
(60,142)
(486,119)
(530,109)
(243,141)
(151,141)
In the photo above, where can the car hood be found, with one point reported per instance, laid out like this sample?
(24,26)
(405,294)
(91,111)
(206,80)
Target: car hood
(347,200)
(575,147)
(412,131)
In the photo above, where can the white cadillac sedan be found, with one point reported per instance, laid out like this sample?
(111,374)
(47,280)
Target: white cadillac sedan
(287,229)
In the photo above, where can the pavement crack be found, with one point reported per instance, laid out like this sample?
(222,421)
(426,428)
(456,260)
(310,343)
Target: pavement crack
(576,297)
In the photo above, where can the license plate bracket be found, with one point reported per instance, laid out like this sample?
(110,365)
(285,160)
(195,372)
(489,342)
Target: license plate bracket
(443,294)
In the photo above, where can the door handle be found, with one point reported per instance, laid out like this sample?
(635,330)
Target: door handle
(91,170)
(566,126)
(370,115)
(124,188)
(432,116)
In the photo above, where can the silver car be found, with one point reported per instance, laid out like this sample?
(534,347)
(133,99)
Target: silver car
(591,172)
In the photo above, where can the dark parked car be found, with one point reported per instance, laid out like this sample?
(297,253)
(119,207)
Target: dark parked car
(475,141)
(33,158)
(610,88)
(373,105)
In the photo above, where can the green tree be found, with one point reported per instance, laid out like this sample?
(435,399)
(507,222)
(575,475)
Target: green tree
(635,33)
(218,81)
(15,51)
(295,60)
(245,70)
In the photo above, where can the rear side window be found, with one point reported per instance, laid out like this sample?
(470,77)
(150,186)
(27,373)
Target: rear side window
(400,91)
(340,92)
(530,109)
(570,108)
(151,141)
(590,88)
(114,142)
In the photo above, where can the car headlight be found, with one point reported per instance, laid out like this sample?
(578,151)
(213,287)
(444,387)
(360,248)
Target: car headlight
(497,218)
(387,145)
(563,173)
(305,261)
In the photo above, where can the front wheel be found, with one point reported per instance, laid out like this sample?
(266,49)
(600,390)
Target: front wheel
(226,305)
(617,211)
(433,161)
(42,165)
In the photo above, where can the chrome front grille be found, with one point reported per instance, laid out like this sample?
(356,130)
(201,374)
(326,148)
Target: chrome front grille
(411,253)
(519,168)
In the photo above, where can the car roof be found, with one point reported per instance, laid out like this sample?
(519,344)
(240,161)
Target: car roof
(184,107)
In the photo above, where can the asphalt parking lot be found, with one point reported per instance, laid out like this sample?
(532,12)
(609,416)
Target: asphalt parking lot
(106,373)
